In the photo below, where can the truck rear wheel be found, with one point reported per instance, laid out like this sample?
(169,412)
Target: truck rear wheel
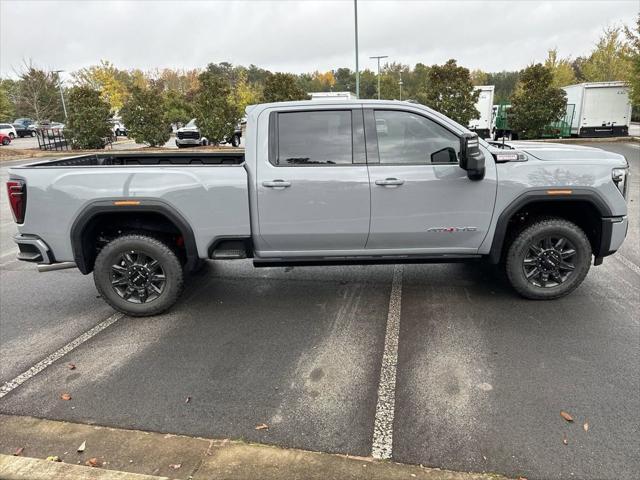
(138,275)
(548,259)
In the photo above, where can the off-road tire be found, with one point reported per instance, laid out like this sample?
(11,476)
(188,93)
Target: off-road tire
(154,248)
(519,248)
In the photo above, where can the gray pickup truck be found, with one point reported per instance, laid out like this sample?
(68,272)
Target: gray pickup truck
(344,182)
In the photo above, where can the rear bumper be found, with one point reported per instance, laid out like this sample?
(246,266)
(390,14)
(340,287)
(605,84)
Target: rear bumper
(33,249)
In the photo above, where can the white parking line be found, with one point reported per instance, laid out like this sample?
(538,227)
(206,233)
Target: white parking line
(628,263)
(383,426)
(61,352)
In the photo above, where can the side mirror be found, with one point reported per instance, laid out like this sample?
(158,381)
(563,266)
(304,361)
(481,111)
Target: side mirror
(471,157)
(444,155)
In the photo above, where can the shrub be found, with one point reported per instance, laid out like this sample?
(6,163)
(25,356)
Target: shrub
(143,114)
(88,119)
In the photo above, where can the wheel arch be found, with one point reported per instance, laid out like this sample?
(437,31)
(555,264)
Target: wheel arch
(83,228)
(583,206)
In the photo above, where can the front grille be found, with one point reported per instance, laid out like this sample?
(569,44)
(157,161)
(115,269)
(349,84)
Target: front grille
(195,135)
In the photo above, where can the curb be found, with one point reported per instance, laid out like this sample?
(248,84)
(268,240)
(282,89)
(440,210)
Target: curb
(138,455)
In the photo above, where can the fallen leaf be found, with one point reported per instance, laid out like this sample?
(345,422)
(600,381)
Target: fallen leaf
(586,426)
(175,466)
(71,366)
(54,458)
(93,462)
(18,452)
(82,446)
(566,416)
(65,396)
(187,400)
(262,426)
(565,440)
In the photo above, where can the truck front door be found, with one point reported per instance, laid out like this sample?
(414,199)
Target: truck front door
(313,190)
(421,200)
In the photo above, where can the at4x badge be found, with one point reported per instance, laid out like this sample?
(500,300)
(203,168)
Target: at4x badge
(452,229)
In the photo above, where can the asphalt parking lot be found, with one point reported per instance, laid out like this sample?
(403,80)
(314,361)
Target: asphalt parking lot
(481,374)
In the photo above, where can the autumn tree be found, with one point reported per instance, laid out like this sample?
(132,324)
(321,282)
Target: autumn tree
(215,105)
(610,59)
(478,77)
(38,94)
(108,80)
(144,115)
(282,87)
(88,121)
(451,92)
(536,102)
(561,69)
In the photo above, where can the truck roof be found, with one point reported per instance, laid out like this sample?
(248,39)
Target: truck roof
(597,84)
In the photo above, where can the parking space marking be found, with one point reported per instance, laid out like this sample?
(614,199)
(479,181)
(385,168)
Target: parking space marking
(382,445)
(61,352)
(628,263)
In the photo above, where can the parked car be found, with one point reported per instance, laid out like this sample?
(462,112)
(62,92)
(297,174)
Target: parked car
(189,135)
(319,183)
(5,139)
(25,127)
(9,130)
(118,128)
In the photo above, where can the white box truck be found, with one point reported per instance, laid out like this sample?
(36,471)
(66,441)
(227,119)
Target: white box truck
(482,125)
(602,109)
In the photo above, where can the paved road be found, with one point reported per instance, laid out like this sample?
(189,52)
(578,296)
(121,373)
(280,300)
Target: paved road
(481,373)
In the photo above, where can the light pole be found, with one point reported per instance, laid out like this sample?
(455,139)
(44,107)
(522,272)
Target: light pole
(355,10)
(64,106)
(379,57)
(400,83)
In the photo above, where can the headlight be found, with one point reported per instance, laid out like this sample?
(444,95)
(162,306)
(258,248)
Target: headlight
(620,177)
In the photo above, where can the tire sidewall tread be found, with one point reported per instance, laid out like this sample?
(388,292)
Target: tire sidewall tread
(517,250)
(161,252)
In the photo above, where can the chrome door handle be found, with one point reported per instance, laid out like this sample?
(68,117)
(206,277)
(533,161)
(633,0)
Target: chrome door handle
(276,184)
(389,182)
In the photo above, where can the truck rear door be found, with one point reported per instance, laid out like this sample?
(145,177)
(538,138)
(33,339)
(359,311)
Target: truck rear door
(421,200)
(313,191)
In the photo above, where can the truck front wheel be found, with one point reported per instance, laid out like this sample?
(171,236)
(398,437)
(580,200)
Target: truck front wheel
(548,259)
(138,275)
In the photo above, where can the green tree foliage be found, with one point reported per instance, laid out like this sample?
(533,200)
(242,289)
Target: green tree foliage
(282,87)
(561,69)
(38,94)
(633,39)
(178,109)
(144,115)
(112,83)
(610,60)
(215,106)
(451,92)
(478,77)
(536,102)
(88,122)
(505,83)
(7,109)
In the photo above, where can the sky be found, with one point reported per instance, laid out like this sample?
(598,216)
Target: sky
(299,36)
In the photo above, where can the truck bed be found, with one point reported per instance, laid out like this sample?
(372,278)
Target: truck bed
(209,190)
(235,157)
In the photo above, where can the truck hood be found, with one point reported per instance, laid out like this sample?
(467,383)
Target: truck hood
(569,153)
(188,129)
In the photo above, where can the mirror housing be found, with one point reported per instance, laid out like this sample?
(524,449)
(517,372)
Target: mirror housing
(471,157)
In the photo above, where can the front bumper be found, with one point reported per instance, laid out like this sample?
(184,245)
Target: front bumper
(33,249)
(614,231)
(188,141)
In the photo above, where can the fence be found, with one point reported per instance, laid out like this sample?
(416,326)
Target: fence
(51,139)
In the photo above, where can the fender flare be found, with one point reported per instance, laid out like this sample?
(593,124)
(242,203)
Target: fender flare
(588,195)
(93,209)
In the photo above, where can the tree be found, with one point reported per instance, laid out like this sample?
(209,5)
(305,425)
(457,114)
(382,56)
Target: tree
(88,121)
(451,92)
(177,109)
(536,102)
(108,80)
(144,115)
(561,69)
(7,110)
(633,39)
(38,94)
(282,87)
(215,107)
(610,60)
(505,83)
(478,77)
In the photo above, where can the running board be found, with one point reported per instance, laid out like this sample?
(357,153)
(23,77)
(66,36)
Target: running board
(362,260)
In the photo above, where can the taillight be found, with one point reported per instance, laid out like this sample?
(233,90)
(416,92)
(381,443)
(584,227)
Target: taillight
(17,190)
